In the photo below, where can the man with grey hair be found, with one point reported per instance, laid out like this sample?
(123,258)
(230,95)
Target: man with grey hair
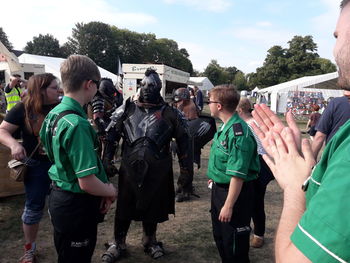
(314,227)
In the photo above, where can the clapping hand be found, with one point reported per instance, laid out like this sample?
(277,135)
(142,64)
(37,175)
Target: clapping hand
(283,145)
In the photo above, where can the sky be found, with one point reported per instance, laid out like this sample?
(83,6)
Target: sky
(233,32)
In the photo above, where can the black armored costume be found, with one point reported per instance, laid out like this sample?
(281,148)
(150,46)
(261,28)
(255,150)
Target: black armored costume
(105,102)
(146,187)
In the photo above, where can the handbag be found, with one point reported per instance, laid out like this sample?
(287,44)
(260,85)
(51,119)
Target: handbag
(18,169)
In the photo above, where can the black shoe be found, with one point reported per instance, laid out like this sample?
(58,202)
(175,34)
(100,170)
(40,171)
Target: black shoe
(113,253)
(181,197)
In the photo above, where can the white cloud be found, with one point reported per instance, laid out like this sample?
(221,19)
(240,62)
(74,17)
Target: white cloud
(208,5)
(266,37)
(59,17)
(201,55)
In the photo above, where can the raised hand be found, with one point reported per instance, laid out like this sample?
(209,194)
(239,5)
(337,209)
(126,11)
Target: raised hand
(268,122)
(290,167)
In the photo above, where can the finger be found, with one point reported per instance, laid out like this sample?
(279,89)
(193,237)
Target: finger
(258,131)
(290,141)
(307,152)
(102,203)
(270,163)
(271,149)
(294,127)
(280,146)
(107,207)
(276,123)
(256,115)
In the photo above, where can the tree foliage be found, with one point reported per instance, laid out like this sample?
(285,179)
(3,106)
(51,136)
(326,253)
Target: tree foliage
(225,75)
(4,39)
(298,60)
(104,44)
(97,41)
(44,45)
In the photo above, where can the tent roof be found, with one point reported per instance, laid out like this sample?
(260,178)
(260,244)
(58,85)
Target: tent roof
(202,82)
(53,64)
(325,81)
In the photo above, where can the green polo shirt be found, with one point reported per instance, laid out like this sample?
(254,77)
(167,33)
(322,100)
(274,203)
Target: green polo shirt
(323,233)
(74,148)
(233,154)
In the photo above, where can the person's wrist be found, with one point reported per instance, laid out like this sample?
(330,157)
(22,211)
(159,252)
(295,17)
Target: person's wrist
(294,198)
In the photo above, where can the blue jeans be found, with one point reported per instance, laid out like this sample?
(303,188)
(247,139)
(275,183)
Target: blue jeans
(37,185)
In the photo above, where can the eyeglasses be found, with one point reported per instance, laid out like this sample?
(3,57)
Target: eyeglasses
(56,87)
(209,102)
(97,82)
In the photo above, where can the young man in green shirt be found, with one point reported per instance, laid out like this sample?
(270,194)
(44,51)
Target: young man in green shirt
(81,193)
(233,165)
(314,227)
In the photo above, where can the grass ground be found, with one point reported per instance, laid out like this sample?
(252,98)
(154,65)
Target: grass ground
(186,236)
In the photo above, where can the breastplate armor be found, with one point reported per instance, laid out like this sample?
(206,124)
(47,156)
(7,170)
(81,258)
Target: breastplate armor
(148,124)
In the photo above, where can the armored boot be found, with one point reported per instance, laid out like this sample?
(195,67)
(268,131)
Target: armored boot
(152,247)
(114,252)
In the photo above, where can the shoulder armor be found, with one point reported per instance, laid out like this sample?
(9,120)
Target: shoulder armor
(118,114)
(180,116)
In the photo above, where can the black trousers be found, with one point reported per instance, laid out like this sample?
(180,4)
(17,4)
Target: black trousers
(232,239)
(121,228)
(74,218)
(260,184)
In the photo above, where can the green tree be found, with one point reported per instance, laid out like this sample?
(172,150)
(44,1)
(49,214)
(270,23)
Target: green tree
(45,45)
(231,73)
(166,51)
(4,39)
(225,75)
(67,49)
(146,48)
(132,45)
(240,81)
(298,60)
(215,73)
(326,65)
(97,41)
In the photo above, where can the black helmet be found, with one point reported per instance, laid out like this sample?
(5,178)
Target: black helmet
(150,87)
(107,88)
(181,94)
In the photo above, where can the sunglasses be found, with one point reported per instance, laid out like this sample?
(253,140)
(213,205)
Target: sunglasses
(210,101)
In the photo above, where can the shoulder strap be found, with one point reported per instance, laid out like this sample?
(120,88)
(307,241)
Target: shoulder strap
(60,116)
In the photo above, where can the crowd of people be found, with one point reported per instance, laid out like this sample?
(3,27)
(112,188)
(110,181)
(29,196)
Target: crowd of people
(73,159)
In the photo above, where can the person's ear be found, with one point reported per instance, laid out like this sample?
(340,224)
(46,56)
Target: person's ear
(219,106)
(88,84)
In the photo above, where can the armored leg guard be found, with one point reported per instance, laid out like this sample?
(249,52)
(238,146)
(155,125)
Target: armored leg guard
(113,253)
(155,250)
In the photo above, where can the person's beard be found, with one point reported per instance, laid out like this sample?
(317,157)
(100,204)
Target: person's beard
(343,62)
(344,79)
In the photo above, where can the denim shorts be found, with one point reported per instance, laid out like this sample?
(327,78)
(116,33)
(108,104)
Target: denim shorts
(37,185)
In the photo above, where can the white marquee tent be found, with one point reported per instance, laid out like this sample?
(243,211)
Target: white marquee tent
(53,64)
(203,83)
(277,95)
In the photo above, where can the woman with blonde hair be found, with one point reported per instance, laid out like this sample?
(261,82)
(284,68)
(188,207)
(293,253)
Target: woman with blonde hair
(26,117)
